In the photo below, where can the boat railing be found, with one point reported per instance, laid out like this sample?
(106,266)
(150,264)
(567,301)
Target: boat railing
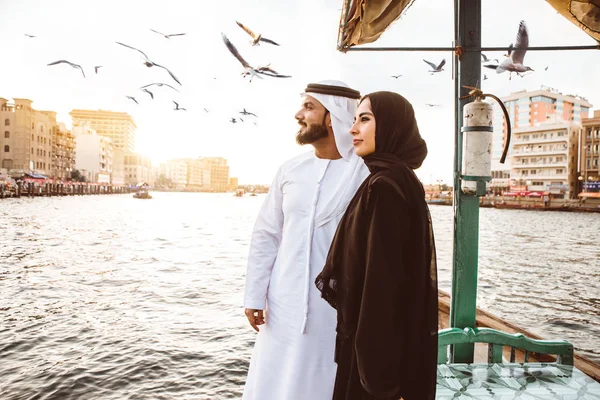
(498,340)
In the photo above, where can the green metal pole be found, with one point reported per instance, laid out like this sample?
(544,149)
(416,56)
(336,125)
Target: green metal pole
(467,71)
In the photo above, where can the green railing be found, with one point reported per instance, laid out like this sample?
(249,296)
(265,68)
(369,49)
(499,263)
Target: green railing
(497,340)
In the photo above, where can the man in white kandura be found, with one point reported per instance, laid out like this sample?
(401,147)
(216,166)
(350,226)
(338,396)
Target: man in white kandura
(293,356)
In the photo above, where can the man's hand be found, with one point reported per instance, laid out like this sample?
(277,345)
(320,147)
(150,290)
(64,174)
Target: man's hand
(255,317)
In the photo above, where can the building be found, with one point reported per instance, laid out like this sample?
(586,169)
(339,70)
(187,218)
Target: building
(589,154)
(63,152)
(94,155)
(119,127)
(219,173)
(544,158)
(138,169)
(529,109)
(26,141)
(176,172)
(233,184)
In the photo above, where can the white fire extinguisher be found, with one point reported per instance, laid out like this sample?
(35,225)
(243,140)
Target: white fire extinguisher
(476,170)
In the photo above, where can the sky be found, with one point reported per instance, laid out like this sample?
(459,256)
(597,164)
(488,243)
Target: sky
(85,32)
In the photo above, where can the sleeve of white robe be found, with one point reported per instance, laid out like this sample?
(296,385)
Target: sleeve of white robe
(264,246)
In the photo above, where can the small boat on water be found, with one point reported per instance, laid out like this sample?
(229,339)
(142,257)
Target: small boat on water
(142,194)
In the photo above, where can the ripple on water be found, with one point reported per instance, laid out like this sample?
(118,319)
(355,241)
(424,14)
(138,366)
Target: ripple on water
(118,304)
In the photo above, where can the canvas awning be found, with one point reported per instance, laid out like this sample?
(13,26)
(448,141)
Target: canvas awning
(363,21)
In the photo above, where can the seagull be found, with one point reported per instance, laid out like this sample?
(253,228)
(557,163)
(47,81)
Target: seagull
(486,59)
(510,49)
(432,105)
(546,69)
(177,108)
(169,35)
(436,68)
(149,92)
(396,76)
(255,37)
(132,99)
(206,110)
(70,63)
(244,112)
(485,78)
(241,119)
(148,63)
(159,85)
(30,36)
(248,68)
(97,67)
(266,70)
(517,54)
(233,121)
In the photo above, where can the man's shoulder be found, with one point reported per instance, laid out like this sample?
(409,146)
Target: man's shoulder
(296,161)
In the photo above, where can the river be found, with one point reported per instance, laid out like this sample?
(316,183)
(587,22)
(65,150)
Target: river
(109,297)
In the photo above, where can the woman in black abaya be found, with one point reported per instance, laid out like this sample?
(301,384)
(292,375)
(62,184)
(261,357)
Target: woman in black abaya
(380,274)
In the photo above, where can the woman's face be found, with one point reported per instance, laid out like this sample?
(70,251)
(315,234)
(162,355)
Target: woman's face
(363,129)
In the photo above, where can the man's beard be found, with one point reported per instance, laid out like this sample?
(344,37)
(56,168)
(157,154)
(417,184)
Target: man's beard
(312,134)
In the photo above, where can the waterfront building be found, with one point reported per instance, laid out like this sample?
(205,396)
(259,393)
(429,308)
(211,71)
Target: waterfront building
(233,184)
(544,158)
(219,172)
(138,169)
(529,109)
(64,152)
(26,138)
(119,127)
(176,171)
(589,155)
(94,154)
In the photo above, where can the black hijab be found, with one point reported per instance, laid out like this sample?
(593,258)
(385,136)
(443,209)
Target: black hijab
(381,273)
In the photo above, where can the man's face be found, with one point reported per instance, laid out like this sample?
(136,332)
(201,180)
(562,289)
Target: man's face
(313,119)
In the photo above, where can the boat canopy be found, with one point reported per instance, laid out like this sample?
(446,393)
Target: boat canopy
(363,21)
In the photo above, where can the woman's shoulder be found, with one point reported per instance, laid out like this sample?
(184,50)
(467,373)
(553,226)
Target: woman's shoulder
(385,184)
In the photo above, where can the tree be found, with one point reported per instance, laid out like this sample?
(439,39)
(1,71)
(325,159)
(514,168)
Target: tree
(77,176)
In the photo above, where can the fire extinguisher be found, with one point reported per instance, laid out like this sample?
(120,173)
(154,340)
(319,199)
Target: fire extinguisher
(476,169)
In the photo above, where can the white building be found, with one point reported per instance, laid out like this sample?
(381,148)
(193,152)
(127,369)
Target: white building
(177,173)
(94,154)
(544,158)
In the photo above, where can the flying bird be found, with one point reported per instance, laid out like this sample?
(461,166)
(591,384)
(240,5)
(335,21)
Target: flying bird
(148,63)
(159,85)
(30,36)
(97,67)
(268,71)
(244,112)
(206,110)
(169,35)
(70,63)
(485,78)
(510,49)
(396,76)
(517,55)
(546,69)
(436,68)
(486,59)
(132,99)
(432,105)
(177,108)
(149,92)
(256,37)
(248,69)
(233,121)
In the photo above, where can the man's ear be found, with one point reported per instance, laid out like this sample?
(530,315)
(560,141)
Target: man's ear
(328,120)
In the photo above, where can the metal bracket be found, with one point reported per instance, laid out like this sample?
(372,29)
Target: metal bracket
(481,180)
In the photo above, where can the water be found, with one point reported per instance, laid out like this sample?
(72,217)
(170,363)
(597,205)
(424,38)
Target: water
(108,297)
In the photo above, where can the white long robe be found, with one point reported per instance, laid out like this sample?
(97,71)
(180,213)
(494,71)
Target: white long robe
(294,350)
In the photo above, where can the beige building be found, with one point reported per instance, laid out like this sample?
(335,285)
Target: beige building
(138,169)
(119,127)
(544,158)
(197,176)
(233,184)
(530,109)
(63,152)
(26,139)
(589,154)
(94,155)
(219,173)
